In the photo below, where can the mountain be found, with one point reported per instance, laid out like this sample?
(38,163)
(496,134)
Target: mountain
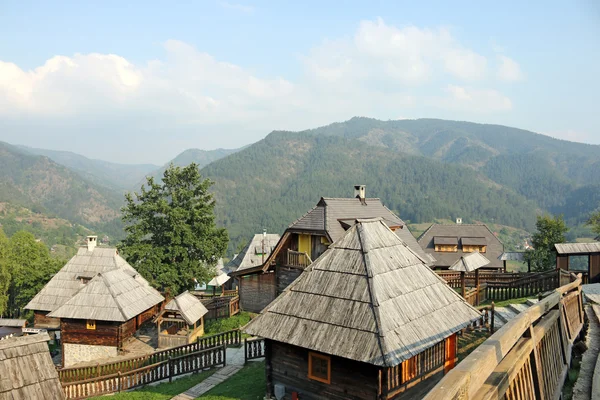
(200,157)
(539,167)
(43,186)
(112,175)
(274,181)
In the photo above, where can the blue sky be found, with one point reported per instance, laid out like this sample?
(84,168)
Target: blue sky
(141,81)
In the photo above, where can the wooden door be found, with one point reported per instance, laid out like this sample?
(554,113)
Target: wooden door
(450,353)
(304,244)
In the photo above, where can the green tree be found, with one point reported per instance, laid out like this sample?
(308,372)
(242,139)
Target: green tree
(30,267)
(171,233)
(594,222)
(4,275)
(550,230)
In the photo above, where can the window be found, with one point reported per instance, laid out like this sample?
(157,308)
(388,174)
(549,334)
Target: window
(90,324)
(319,367)
(446,248)
(474,248)
(409,369)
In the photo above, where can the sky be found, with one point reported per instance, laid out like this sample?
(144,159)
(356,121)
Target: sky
(141,81)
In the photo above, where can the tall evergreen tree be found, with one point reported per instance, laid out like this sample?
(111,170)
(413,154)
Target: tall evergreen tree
(550,230)
(171,233)
(4,275)
(594,222)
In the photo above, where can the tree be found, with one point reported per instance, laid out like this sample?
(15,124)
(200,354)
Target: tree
(4,275)
(594,222)
(550,230)
(171,233)
(30,267)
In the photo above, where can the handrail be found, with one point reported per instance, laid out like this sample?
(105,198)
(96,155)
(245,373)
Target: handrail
(539,339)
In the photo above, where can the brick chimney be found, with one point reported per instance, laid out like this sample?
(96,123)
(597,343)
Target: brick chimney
(91,242)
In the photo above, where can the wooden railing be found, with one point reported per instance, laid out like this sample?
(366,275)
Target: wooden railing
(528,358)
(427,362)
(453,278)
(254,348)
(218,307)
(234,305)
(529,285)
(475,296)
(73,374)
(297,259)
(158,371)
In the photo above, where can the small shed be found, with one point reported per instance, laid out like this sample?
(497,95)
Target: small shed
(181,322)
(26,369)
(469,263)
(367,320)
(11,327)
(591,250)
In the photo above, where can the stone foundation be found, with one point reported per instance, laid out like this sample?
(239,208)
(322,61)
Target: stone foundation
(78,353)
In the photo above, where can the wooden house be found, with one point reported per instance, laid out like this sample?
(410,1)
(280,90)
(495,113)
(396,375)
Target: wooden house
(27,370)
(181,322)
(97,320)
(306,239)
(367,320)
(589,250)
(11,327)
(447,243)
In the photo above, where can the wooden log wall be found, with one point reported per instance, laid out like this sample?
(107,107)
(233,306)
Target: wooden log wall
(75,331)
(350,380)
(285,276)
(257,291)
(42,320)
(528,358)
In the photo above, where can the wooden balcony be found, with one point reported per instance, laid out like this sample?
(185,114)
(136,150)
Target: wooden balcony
(297,259)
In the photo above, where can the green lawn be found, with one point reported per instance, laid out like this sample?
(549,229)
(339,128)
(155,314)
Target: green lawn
(163,391)
(505,303)
(226,324)
(248,384)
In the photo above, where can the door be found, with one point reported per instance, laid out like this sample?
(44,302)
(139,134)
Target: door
(304,244)
(450,353)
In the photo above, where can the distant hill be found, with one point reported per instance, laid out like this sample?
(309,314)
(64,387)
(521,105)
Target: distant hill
(539,167)
(45,187)
(273,182)
(112,175)
(200,157)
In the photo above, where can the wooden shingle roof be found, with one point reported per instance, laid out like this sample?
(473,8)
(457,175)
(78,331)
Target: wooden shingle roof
(470,262)
(26,369)
(251,256)
(333,215)
(110,296)
(577,248)
(70,279)
(368,298)
(188,305)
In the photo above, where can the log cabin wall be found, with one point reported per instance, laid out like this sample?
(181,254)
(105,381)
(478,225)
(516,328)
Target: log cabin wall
(257,291)
(75,331)
(285,276)
(594,273)
(42,320)
(126,330)
(349,379)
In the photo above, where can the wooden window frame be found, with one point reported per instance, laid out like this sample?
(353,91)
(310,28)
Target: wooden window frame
(321,357)
(90,324)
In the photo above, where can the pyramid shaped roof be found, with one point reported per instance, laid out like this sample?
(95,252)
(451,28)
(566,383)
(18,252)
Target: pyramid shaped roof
(368,298)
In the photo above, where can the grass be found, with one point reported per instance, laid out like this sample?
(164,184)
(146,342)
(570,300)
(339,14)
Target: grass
(227,324)
(505,303)
(469,341)
(572,375)
(162,391)
(248,384)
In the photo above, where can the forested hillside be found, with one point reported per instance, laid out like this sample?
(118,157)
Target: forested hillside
(112,175)
(45,187)
(547,170)
(276,180)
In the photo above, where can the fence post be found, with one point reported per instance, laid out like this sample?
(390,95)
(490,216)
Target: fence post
(170,370)
(119,381)
(245,351)
(492,320)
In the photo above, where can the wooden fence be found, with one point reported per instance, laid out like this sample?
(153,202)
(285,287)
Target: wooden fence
(528,358)
(254,348)
(297,259)
(221,307)
(453,278)
(476,296)
(74,374)
(161,370)
(528,285)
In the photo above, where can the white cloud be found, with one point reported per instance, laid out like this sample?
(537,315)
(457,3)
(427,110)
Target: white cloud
(237,7)
(475,100)
(509,69)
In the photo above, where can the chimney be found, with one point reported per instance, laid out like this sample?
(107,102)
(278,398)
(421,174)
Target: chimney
(91,242)
(458,221)
(359,191)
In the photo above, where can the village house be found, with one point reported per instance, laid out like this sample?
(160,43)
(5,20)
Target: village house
(447,243)
(98,301)
(10,327)
(27,371)
(181,322)
(590,250)
(306,239)
(367,320)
